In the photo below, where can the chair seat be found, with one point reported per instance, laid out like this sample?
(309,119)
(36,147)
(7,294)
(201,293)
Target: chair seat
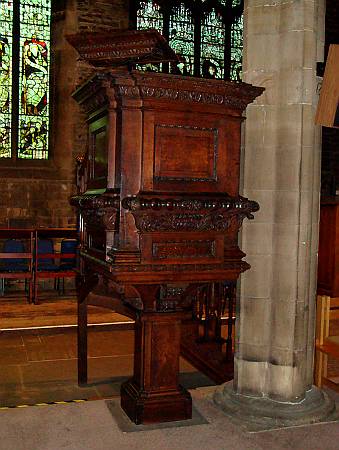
(16,268)
(67,266)
(48,268)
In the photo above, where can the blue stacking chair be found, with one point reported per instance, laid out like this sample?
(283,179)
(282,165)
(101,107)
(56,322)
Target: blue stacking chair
(68,260)
(14,264)
(68,247)
(45,266)
(16,267)
(46,247)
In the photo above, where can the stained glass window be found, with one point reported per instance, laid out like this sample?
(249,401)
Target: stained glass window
(150,16)
(212,46)
(206,34)
(6,24)
(25,113)
(181,38)
(236,48)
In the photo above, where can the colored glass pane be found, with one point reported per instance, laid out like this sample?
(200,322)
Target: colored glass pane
(212,46)
(34,78)
(181,38)
(183,35)
(6,20)
(149,16)
(236,49)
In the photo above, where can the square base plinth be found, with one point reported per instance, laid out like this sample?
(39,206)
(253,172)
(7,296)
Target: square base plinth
(155,407)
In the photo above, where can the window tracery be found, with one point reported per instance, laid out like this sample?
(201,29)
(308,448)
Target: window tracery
(206,34)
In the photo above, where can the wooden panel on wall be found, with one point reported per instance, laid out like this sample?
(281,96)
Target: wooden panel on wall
(328,108)
(328,259)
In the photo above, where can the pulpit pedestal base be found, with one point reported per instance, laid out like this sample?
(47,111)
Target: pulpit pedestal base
(154,394)
(143,408)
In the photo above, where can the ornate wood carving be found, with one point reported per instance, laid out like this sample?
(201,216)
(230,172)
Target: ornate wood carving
(98,210)
(189,214)
(185,249)
(123,47)
(147,85)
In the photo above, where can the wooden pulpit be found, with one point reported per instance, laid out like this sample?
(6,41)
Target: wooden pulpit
(160,212)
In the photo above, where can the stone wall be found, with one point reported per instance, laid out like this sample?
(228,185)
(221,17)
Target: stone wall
(37,193)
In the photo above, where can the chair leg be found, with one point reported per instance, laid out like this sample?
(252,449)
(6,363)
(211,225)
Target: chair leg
(35,294)
(30,291)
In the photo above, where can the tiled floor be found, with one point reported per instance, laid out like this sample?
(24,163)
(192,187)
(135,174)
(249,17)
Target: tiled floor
(41,365)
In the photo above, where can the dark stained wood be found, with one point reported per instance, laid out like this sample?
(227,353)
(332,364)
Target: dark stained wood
(154,390)
(122,47)
(328,257)
(206,356)
(164,221)
(207,338)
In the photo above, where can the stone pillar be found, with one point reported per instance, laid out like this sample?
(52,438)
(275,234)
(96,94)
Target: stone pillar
(276,315)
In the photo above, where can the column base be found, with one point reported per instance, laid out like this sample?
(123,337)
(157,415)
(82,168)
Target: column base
(260,413)
(145,407)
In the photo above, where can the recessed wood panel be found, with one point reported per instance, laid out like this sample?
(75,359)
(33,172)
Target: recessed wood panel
(164,248)
(165,335)
(174,147)
(183,249)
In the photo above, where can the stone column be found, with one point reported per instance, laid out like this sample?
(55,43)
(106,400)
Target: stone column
(276,315)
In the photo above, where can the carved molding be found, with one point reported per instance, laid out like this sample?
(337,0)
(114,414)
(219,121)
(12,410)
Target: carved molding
(196,90)
(193,214)
(193,96)
(122,47)
(137,84)
(92,98)
(235,266)
(98,210)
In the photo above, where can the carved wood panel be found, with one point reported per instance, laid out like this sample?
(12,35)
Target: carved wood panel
(167,249)
(188,152)
(174,147)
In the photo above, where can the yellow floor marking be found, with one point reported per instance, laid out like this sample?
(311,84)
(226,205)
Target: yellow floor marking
(66,402)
